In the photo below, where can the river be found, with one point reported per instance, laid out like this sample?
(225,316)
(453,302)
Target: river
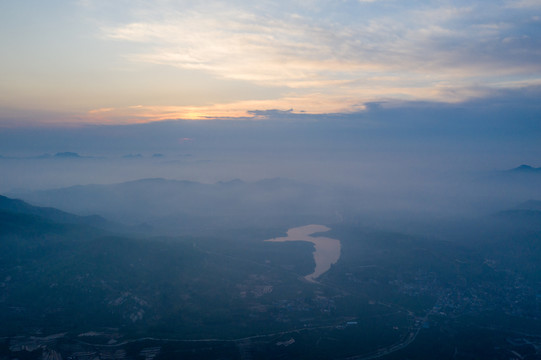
(326,250)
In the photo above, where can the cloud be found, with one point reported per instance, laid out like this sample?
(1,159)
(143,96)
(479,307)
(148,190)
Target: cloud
(522,4)
(312,103)
(101,110)
(430,46)
(155,60)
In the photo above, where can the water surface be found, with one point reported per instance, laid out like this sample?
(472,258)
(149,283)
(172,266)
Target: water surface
(326,250)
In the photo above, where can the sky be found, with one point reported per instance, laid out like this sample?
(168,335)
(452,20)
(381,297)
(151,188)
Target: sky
(412,99)
(136,61)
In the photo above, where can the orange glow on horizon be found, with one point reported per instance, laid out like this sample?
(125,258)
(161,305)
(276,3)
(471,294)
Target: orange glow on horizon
(316,103)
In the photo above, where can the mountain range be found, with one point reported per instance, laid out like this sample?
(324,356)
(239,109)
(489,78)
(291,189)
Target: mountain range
(176,206)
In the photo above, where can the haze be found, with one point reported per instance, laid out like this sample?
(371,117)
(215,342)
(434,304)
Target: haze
(148,150)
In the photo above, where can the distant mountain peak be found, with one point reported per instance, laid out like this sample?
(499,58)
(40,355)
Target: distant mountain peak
(133,156)
(67,154)
(526,168)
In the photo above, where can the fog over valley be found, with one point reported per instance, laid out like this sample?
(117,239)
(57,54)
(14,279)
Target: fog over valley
(368,164)
(354,180)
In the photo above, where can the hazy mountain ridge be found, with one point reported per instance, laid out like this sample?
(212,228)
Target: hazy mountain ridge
(179,203)
(526,169)
(75,271)
(48,213)
(526,215)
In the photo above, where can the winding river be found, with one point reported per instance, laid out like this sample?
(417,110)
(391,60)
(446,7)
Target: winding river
(326,250)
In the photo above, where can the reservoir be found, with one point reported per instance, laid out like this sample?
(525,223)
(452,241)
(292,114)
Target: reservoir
(326,250)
